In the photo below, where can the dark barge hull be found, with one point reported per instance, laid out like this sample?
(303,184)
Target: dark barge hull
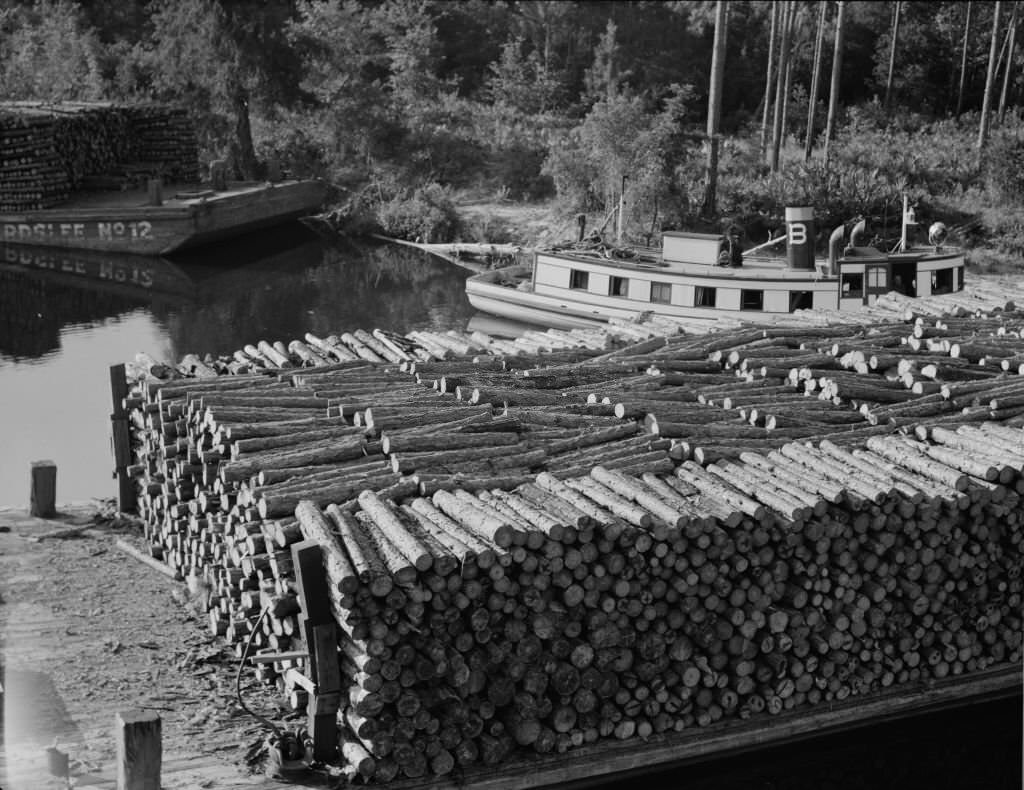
(123,222)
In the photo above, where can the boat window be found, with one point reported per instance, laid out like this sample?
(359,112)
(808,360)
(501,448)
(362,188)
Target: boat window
(876,277)
(751,300)
(579,279)
(801,300)
(853,286)
(704,297)
(942,281)
(959,278)
(618,286)
(661,293)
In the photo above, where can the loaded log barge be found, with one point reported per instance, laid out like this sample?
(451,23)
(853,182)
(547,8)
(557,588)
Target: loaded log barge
(588,552)
(125,178)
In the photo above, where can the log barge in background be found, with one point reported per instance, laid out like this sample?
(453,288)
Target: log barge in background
(585,552)
(125,178)
(702,276)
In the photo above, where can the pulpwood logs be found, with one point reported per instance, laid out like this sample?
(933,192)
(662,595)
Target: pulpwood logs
(732,586)
(47,151)
(634,605)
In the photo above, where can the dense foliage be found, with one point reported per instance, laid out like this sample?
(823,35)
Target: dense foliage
(398,102)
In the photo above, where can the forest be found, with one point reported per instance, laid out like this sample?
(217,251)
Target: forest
(688,113)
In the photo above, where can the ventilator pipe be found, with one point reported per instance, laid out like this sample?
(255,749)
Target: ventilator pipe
(858,230)
(835,245)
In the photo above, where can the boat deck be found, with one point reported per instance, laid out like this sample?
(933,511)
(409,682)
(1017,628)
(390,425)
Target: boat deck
(174,196)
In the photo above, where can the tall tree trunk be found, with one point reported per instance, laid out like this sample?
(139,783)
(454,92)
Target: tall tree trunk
(1009,62)
(789,75)
(837,67)
(990,78)
(245,153)
(780,85)
(963,61)
(768,77)
(892,55)
(812,99)
(715,108)
(999,61)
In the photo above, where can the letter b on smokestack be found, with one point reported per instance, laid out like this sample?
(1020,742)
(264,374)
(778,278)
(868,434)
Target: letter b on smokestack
(801,233)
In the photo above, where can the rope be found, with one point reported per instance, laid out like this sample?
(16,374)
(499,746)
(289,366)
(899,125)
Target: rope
(238,681)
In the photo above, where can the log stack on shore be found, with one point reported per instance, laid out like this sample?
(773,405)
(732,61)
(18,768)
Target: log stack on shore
(49,150)
(532,546)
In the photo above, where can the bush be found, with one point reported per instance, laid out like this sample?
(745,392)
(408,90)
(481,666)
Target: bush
(931,159)
(517,169)
(296,141)
(837,192)
(428,215)
(1004,173)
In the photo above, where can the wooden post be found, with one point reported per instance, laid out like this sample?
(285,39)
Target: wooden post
(155,192)
(43,497)
(121,439)
(139,750)
(317,628)
(118,388)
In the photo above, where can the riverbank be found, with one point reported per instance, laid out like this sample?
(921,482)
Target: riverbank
(991,239)
(85,632)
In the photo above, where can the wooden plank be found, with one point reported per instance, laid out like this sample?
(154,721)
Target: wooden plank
(270,658)
(139,750)
(156,565)
(127,498)
(299,679)
(118,388)
(325,648)
(318,626)
(121,436)
(307,561)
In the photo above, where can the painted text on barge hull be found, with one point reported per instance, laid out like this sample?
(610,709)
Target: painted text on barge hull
(52,231)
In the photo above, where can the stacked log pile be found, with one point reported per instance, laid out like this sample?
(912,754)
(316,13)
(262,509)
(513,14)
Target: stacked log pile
(90,139)
(32,175)
(163,139)
(618,606)
(516,564)
(47,151)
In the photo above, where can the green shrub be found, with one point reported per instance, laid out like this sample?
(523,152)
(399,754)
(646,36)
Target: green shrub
(837,192)
(1004,170)
(517,169)
(427,215)
(931,159)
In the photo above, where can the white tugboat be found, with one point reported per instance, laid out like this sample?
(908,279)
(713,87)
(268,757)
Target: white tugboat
(704,276)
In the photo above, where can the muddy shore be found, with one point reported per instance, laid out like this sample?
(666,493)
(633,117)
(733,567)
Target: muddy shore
(86,631)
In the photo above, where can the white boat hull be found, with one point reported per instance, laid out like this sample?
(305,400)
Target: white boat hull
(565,290)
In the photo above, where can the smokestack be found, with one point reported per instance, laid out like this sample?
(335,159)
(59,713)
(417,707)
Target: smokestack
(801,236)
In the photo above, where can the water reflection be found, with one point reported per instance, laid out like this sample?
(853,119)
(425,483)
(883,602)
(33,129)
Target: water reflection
(66,316)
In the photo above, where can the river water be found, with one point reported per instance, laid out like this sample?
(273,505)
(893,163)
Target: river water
(66,317)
